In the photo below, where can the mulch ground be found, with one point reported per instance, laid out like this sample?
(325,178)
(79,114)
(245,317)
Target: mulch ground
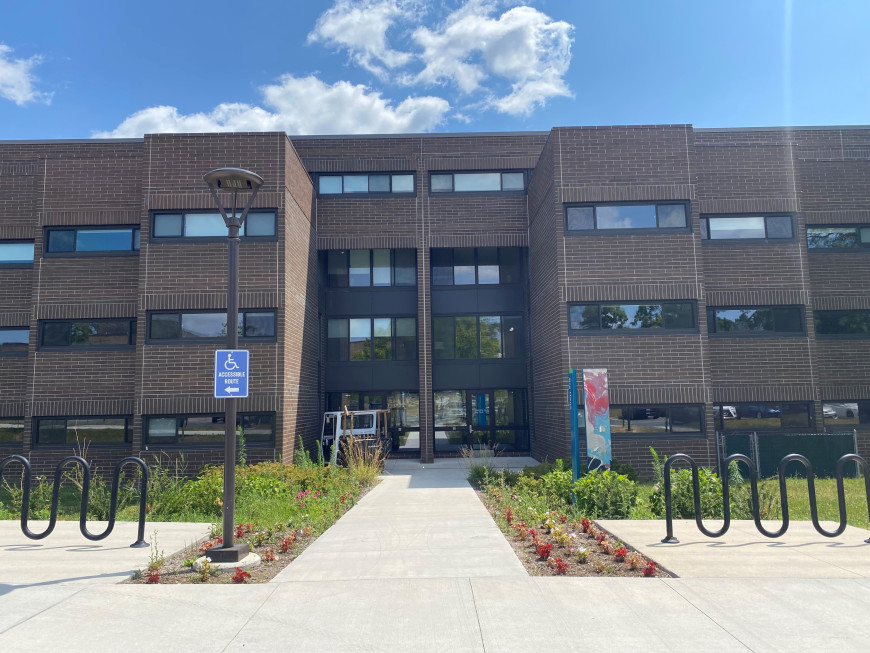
(560,555)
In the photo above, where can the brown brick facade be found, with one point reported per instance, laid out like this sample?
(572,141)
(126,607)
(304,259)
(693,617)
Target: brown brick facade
(817,176)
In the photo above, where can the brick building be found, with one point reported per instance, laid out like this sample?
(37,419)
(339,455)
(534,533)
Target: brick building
(720,275)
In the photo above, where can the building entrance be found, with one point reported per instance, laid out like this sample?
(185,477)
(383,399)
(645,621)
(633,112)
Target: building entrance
(478,418)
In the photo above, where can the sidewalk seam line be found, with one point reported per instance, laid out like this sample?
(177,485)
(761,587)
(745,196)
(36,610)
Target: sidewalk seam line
(45,609)
(712,620)
(253,614)
(476,615)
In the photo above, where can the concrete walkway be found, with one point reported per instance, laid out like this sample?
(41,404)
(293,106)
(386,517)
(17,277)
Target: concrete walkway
(417,566)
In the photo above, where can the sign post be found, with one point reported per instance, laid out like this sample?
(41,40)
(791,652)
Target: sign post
(573,405)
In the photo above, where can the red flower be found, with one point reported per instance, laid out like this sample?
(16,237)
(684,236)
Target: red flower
(509,515)
(287,542)
(585,523)
(650,569)
(620,554)
(241,576)
(269,555)
(544,550)
(563,518)
(561,567)
(153,577)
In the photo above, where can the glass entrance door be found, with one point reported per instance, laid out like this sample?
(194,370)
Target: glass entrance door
(478,418)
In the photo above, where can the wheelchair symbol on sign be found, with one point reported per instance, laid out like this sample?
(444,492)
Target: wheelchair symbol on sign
(230,364)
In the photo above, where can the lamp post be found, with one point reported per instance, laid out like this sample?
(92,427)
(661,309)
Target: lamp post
(237,181)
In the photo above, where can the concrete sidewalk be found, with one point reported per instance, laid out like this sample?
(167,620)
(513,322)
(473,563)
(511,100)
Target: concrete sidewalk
(418,565)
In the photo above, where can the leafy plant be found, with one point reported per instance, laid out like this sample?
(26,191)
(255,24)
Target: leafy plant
(241,576)
(623,468)
(650,568)
(561,567)
(605,495)
(557,484)
(544,549)
(242,446)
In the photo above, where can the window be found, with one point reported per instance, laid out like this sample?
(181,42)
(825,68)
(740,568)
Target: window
(839,238)
(586,218)
(477,336)
(745,227)
(193,430)
(840,415)
(847,324)
(61,431)
(363,268)
(753,416)
(258,224)
(16,254)
(477,182)
(254,323)
(496,417)
(91,241)
(656,419)
(466,266)
(13,341)
(756,320)
(87,333)
(11,431)
(366,339)
(401,183)
(589,319)
(404,407)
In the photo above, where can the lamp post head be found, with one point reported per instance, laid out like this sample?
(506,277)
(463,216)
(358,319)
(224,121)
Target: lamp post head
(235,179)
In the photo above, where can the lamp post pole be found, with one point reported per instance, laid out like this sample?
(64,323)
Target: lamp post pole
(236,180)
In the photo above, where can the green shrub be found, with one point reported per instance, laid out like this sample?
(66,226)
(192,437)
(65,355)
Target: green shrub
(537,471)
(682,493)
(556,484)
(623,468)
(605,495)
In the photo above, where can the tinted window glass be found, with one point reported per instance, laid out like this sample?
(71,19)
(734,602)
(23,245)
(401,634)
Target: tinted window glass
(463,266)
(832,237)
(95,430)
(626,217)
(779,226)
(14,253)
(383,343)
(406,338)
(61,240)
(450,408)
(580,217)
(479,181)
(785,319)
(671,215)
(736,228)
(512,330)
(379,183)
(583,316)
(441,183)
(102,240)
(381,267)
(855,323)
(466,337)
(14,340)
(406,267)
(442,267)
(204,325)
(167,226)
(403,183)
(360,267)
(509,265)
(513,181)
(337,269)
(490,337)
(487,265)
(198,225)
(259,325)
(330,185)
(356,184)
(360,339)
(93,333)
(337,340)
(260,224)
(443,339)
(166,326)
(11,430)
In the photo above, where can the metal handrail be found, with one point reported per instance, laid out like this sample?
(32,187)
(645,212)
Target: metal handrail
(86,488)
(753,479)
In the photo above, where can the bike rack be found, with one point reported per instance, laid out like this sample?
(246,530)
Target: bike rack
(86,488)
(753,479)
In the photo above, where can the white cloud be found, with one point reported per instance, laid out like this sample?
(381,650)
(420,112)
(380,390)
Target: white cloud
(361,29)
(17,78)
(299,105)
(523,46)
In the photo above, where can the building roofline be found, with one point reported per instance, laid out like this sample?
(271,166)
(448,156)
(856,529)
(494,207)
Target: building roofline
(314,137)
(72,141)
(782,129)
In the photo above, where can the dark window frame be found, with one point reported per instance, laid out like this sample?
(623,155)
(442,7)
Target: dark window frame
(469,428)
(16,354)
(719,420)
(150,340)
(18,265)
(34,433)
(841,336)
(471,193)
(20,443)
(832,422)
(862,247)
(134,229)
(394,339)
(479,358)
(767,240)
(371,286)
(207,239)
(595,231)
(373,194)
(713,333)
(175,443)
(640,331)
(664,435)
(131,339)
(477,265)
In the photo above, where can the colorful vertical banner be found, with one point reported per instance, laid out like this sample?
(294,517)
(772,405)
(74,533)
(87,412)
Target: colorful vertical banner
(597,404)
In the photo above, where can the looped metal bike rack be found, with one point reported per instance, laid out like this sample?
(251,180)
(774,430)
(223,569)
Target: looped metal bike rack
(753,479)
(86,488)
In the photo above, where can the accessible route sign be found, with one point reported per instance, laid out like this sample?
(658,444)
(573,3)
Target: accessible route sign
(231,373)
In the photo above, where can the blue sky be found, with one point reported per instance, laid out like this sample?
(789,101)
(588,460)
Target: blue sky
(117,69)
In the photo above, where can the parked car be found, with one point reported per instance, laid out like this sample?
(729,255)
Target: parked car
(828,412)
(758,411)
(847,411)
(728,412)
